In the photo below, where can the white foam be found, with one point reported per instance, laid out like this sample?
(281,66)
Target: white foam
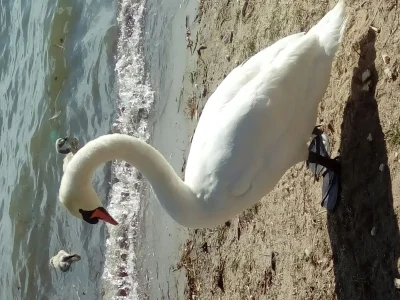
(134,105)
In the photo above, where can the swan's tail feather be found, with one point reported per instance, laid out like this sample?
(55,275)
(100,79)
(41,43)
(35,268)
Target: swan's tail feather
(331,27)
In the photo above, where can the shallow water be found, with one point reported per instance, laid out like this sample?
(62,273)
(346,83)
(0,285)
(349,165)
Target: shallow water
(87,69)
(160,248)
(56,60)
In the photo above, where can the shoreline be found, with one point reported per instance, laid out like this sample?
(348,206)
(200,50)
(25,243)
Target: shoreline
(287,246)
(159,235)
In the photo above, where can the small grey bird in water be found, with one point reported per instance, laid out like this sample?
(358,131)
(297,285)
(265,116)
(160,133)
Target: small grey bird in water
(63,260)
(67,146)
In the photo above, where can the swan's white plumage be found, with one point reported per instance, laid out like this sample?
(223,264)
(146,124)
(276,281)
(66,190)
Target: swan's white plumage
(66,160)
(253,128)
(257,123)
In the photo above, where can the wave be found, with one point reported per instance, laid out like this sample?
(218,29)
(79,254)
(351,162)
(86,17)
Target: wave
(134,105)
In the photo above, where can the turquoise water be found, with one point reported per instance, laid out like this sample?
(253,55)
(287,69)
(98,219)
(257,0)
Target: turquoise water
(56,59)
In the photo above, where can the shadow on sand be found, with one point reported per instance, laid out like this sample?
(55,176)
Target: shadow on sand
(365,262)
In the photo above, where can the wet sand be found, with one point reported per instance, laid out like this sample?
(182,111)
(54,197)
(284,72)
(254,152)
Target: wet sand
(159,236)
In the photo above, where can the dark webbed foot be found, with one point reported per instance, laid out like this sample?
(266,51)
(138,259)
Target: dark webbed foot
(319,145)
(330,189)
(319,163)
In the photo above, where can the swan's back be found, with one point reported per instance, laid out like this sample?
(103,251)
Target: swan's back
(257,123)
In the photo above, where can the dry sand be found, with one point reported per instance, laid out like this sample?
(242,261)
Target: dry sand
(287,246)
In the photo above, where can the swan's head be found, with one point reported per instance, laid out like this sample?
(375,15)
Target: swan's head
(61,146)
(81,200)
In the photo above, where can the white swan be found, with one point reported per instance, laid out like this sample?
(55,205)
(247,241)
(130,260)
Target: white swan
(67,151)
(253,128)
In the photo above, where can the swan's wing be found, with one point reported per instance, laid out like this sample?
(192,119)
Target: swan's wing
(247,71)
(234,143)
(236,80)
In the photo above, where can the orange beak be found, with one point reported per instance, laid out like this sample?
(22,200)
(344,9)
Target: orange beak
(103,214)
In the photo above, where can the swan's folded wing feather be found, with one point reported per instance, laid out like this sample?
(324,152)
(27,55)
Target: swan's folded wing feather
(226,92)
(237,140)
(239,78)
(244,73)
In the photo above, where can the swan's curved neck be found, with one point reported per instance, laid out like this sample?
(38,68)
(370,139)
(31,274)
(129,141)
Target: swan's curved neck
(173,194)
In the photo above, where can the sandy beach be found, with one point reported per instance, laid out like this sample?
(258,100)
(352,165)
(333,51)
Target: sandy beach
(288,246)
